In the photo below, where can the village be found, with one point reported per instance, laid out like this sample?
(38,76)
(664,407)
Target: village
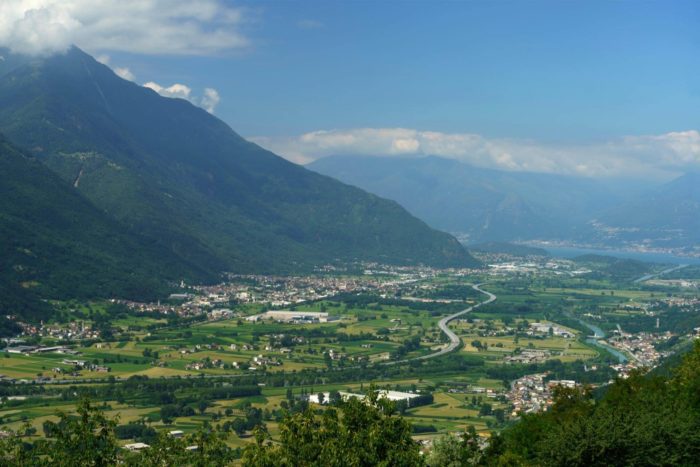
(533,393)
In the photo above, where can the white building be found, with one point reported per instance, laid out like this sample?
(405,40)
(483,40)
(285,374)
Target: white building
(136,446)
(290,316)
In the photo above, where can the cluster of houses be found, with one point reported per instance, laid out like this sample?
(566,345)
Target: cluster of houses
(293,317)
(70,331)
(639,346)
(528,356)
(206,364)
(83,365)
(545,329)
(199,348)
(532,393)
(261,360)
(258,361)
(324,397)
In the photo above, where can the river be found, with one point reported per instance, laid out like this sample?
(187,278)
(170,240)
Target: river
(595,340)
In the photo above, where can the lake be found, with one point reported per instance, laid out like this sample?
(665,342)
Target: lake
(665,258)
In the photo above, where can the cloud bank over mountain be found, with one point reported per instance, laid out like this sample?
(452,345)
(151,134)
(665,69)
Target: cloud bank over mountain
(173,27)
(209,100)
(642,156)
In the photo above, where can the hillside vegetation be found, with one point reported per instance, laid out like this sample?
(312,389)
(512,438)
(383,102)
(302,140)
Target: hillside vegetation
(173,173)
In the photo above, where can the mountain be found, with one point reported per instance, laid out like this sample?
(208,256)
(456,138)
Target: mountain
(181,181)
(56,244)
(668,215)
(484,204)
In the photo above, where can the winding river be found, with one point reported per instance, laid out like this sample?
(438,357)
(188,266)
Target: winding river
(599,334)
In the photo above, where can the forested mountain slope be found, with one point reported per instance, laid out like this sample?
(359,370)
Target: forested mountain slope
(176,175)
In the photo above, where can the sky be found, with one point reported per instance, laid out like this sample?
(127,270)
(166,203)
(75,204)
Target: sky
(588,88)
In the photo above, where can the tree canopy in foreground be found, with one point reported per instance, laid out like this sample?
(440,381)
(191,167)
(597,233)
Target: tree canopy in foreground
(643,420)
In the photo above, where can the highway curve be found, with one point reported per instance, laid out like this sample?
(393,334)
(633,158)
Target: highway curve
(443,324)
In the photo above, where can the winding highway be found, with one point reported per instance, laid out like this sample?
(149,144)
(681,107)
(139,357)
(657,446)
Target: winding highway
(443,324)
(665,271)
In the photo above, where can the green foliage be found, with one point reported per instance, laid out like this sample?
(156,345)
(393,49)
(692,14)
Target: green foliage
(642,420)
(56,244)
(88,439)
(356,433)
(173,192)
(455,451)
(609,267)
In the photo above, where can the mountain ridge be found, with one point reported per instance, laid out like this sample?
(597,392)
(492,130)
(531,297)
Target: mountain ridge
(486,204)
(181,180)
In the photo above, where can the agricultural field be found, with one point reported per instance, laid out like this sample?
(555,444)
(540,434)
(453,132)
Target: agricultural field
(156,372)
(369,334)
(493,340)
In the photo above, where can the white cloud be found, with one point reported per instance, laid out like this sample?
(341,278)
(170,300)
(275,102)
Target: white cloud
(647,156)
(208,101)
(176,90)
(42,27)
(104,59)
(124,73)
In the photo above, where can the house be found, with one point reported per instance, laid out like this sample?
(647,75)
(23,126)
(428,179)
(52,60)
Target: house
(134,447)
(21,349)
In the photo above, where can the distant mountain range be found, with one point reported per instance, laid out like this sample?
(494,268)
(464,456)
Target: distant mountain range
(668,214)
(117,188)
(493,205)
(485,204)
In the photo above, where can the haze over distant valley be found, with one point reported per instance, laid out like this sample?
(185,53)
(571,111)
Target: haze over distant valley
(479,204)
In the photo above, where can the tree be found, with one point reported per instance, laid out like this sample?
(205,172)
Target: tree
(334,398)
(455,451)
(86,440)
(13,451)
(168,413)
(239,426)
(646,419)
(500,415)
(446,452)
(359,432)
(485,409)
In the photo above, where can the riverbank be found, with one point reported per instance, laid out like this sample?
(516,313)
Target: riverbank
(598,336)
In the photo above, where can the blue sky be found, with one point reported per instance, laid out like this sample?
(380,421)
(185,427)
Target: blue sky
(565,77)
(545,70)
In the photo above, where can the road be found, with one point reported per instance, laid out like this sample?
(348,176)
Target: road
(666,271)
(443,324)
